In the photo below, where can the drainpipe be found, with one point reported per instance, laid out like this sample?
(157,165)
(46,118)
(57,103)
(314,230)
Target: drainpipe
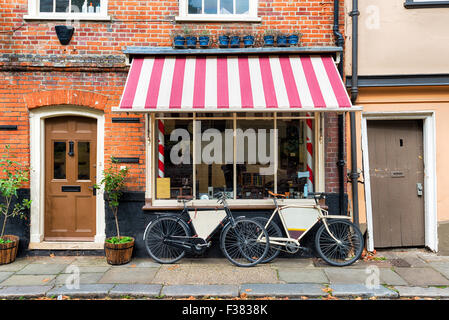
(354,93)
(339,40)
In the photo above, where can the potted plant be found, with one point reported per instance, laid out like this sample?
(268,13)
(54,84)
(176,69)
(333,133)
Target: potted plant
(248,40)
(118,249)
(223,40)
(179,40)
(14,174)
(294,38)
(268,37)
(281,40)
(204,39)
(234,40)
(190,38)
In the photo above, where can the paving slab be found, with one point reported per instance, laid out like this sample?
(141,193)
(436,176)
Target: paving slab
(129,275)
(86,269)
(301,275)
(346,275)
(24,291)
(18,264)
(200,290)
(43,268)
(389,277)
(136,290)
(292,263)
(360,290)
(5,275)
(283,290)
(29,280)
(441,267)
(84,278)
(433,292)
(421,277)
(84,290)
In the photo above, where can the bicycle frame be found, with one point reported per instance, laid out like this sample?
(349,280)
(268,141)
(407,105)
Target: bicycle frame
(296,224)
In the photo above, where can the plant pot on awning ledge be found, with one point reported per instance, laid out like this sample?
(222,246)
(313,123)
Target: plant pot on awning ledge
(64,34)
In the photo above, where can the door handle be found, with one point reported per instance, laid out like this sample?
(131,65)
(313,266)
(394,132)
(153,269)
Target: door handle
(71,147)
(94,190)
(419,189)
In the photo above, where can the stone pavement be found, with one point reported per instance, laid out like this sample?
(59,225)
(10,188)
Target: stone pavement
(390,275)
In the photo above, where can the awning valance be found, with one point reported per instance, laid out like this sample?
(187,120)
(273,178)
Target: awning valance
(234,83)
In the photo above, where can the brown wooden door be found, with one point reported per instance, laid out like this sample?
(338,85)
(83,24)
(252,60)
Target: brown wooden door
(70,162)
(396,173)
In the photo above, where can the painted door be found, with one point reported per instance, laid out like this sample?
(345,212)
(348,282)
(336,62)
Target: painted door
(397,182)
(70,162)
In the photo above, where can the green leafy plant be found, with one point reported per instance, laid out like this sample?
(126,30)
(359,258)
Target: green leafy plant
(14,175)
(113,182)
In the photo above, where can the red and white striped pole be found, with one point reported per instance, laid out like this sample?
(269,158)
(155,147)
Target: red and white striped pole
(161,146)
(309,146)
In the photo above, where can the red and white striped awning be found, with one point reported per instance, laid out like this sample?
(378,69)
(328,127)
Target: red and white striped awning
(234,83)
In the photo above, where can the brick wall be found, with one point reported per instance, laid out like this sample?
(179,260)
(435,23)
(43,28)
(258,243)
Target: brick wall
(32,61)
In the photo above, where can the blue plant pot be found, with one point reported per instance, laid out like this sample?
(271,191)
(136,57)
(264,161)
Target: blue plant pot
(248,41)
(223,41)
(235,41)
(293,40)
(191,42)
(179,42)
(281,41)
(204,41)
(268,41)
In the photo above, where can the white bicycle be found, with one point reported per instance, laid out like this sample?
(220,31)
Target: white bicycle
(338,241)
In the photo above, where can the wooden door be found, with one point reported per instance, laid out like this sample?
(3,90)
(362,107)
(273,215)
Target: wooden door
(397,182)
(70,162)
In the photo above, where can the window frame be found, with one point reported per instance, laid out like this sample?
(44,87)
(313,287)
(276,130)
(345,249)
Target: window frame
(35,14)
(150,193)
(251,17)
(413,4)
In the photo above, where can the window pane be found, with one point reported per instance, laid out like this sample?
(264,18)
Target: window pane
(46,6)
(174,158)
(227,6)
(62,5)
(255,158)
(242,6)
(78,6)
(295,156)
(210,6)
(215,170)
(83,160)
(59,154)
(194,6)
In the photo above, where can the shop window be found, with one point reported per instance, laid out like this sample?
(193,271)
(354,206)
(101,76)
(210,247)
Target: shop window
(244,156)
(218,10)
(67,9)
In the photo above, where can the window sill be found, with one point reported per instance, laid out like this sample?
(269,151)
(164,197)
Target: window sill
(68,17)
(222,18)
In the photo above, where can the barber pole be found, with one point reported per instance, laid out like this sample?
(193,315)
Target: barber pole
(161,132)
(309,146)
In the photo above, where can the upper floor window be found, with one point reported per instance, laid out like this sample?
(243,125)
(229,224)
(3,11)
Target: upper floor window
(67,9)
(218,10)
(426,3)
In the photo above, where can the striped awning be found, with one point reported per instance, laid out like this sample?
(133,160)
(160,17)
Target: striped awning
(234,83)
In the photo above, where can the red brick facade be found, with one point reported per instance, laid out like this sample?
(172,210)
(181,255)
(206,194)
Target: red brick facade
(37,71)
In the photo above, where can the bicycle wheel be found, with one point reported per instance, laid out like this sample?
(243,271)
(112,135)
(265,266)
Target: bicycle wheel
(158,232)
(348,247)
(240,244)
(273,232)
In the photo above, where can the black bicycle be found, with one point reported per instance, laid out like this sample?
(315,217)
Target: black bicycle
(169,236)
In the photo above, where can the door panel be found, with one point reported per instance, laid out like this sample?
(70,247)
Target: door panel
(396,167)
(70,161)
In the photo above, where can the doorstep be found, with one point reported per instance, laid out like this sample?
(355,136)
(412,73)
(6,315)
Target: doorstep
(47,245)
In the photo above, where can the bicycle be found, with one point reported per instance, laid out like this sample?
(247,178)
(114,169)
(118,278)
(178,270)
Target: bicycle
(168,237)
(338,241)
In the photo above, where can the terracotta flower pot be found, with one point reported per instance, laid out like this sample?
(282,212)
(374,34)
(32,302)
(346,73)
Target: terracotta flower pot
(118,253)
(8,251)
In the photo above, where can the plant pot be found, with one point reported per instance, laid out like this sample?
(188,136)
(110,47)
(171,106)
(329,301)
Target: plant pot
(8,251)
(118,253)
(204,41)
(191,42)
(235,41)
(179,42)
(293,39)
(248,41)
(281,41)
(223,41)
(268,41)
(64,34)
